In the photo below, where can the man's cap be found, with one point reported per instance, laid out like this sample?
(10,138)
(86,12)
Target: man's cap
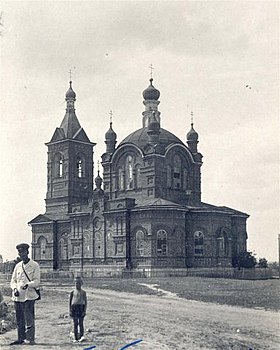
(22,246)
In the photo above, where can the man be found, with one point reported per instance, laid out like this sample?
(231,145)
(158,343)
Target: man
(25,278)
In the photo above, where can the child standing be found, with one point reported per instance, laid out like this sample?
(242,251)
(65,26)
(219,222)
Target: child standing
(78,308)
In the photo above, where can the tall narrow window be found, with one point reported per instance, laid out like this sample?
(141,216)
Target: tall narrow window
(129,173)
(177,172)
(161,242)
(97,244)
(169,177)
(43,243)
(60,168)
(198,243)
(137,176)
(58,165)
(139,243)
(120,180)
(223,244)
(79,167)
(63,249)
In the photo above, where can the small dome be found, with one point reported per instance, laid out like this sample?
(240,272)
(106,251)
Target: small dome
(192,135)
(110,134)
(70,93)
(151,93)
(98,181)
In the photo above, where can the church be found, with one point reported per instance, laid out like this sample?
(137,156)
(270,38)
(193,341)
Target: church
(144,213)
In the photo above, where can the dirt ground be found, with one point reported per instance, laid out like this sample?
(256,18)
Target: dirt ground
(162,322)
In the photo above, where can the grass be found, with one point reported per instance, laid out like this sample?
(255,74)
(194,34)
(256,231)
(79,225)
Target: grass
(245,293)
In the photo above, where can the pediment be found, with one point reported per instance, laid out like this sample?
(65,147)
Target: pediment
(40,219)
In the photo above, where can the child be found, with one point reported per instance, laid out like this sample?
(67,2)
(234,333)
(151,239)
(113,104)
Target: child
(77,309)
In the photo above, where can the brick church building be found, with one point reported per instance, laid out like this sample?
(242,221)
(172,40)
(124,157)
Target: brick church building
(146,212)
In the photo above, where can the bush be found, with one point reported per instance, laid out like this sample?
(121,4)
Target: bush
(245,260)
(263,263)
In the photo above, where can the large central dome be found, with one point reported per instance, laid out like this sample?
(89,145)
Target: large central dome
(140,138)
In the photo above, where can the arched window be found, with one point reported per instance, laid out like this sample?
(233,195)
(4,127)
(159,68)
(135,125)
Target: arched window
(177,176)
(185,179)
(80,167)
(86,247)
(63,249)
(169,176)
(129,173)
(137,176)
(139,243)
(58,165)
(223,243)
(198,243)
(97,244)
(110,244)
(43,243)
(161,242)
(120,179)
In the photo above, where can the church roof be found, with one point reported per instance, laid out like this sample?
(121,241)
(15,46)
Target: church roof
(140,138)
(157,202)
(219,209)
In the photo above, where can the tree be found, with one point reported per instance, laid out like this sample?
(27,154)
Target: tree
(244,259)
(262,263)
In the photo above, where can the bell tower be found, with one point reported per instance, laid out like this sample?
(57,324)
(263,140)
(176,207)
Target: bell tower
(70,163)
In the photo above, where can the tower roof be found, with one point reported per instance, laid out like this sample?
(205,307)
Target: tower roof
(70,127)
(151,93)
(110,134)
(192,135)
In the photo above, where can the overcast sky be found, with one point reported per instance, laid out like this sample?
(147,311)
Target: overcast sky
(218,59)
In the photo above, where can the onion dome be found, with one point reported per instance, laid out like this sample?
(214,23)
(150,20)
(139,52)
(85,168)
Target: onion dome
(98,181)
(70,93)
(151,93)
(192,135)
(110,134)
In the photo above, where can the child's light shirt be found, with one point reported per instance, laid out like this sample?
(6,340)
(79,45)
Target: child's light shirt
(79,297)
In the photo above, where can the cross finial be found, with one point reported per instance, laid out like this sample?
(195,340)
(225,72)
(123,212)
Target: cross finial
(111,116)
(70,74)
(192,117)
(98,166)
(151,72)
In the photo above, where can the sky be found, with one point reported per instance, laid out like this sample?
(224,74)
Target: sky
(219,59)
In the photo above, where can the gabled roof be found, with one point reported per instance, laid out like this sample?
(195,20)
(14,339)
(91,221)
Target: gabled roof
(40,219)
(81,136)
(58,135)
(218,209)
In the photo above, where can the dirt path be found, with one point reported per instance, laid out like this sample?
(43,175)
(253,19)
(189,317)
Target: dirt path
(162,322)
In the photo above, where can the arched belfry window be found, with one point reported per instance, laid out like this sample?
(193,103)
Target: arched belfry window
(58,165)
(129,173)
(198,243)
(177,176)
(80,167)
(161,242)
